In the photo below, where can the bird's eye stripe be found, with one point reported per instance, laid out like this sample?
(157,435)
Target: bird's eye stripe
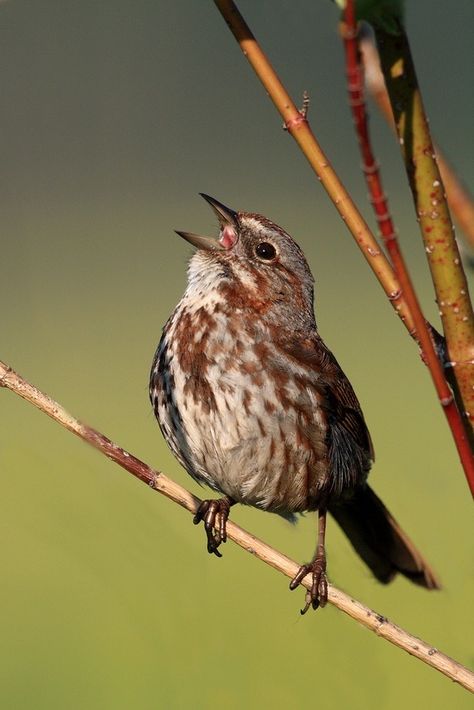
(265,250)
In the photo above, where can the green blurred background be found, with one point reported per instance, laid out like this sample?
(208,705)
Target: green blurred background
(114,115)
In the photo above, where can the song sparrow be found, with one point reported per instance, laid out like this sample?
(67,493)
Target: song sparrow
(253,404)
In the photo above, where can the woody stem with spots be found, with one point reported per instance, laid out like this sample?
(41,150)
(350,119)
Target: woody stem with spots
(431,208)
(460,201)
(11,380)
(355,84)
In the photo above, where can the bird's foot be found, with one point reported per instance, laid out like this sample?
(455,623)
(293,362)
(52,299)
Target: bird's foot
(214,513)
(317,596)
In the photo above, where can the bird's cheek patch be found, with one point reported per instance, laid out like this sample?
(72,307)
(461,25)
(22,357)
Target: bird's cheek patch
(228,237)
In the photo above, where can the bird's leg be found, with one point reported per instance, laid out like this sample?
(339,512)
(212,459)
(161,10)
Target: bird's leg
(317,596)
(214,513)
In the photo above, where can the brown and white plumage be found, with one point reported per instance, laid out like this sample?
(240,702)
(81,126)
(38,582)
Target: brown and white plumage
(254,404)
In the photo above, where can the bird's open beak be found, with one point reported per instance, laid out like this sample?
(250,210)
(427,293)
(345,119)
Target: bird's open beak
(207,243)
(224,214)
(228,222)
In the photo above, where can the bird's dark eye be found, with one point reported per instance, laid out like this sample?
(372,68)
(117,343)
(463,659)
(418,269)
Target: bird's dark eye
(266,251)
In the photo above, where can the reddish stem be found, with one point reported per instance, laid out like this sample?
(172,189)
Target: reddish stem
(370,166)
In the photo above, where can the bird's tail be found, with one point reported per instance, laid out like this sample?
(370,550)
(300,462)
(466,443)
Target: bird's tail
(378,539)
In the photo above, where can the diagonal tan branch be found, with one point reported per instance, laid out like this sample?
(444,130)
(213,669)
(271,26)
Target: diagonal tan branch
(377,623)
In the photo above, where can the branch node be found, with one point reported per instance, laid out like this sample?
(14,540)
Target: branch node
(392,237)
(302,116)
(380,200)
(373,252)
(371,169)
(153,482)
(294,122)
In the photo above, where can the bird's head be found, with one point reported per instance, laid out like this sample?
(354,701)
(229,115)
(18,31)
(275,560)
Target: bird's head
(252,258)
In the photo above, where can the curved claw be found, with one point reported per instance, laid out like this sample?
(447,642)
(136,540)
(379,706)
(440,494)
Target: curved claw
(214,513)
(317,596)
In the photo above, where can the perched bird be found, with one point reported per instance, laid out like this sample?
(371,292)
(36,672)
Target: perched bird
(254,405)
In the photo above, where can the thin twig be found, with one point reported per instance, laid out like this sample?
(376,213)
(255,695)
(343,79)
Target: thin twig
(298,126)
(161,483)
(355,83)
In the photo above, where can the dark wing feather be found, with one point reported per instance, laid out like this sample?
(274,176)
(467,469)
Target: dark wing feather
(349,444)
(345,412)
